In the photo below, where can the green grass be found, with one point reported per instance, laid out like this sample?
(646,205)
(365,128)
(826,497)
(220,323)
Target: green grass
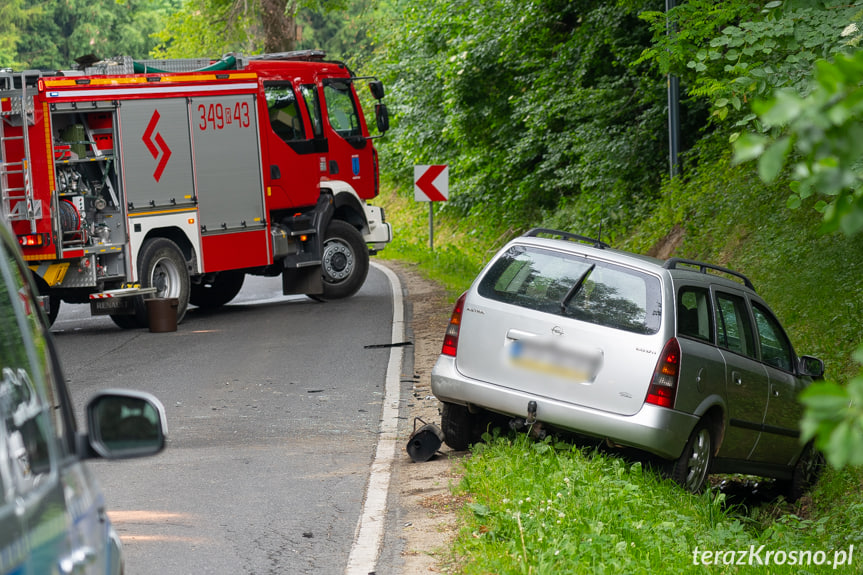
(550,507)
(547,507)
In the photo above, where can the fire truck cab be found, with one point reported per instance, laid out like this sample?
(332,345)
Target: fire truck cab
(174,178)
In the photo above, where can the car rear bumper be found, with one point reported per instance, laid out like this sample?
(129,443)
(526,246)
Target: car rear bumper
(655,429)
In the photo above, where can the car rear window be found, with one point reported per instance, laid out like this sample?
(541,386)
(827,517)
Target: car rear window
(575,286)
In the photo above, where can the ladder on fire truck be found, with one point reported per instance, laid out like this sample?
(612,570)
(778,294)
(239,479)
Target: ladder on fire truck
(16,110)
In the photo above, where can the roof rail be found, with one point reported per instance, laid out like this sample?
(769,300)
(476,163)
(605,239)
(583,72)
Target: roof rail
(672,263)
(567,236)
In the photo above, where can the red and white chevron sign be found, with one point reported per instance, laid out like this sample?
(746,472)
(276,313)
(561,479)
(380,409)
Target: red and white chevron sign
(156,144)
(431,183)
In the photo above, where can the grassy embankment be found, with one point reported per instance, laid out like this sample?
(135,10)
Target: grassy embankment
(551,507)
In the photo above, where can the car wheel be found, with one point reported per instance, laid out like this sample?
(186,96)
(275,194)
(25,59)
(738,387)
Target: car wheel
(224,287)
(162,266)
(805,473)
(344,260)
(692,467)
(460,427)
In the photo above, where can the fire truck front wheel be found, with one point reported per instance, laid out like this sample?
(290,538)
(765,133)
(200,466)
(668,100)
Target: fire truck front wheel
(344,260)
(161,265)
(222,289)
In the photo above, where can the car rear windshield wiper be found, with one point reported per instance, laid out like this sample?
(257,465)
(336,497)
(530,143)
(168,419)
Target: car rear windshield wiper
(575,288)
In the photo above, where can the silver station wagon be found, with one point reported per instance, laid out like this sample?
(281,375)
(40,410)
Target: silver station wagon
(677,358)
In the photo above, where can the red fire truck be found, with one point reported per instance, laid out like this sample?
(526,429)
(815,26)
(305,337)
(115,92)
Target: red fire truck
(130,180)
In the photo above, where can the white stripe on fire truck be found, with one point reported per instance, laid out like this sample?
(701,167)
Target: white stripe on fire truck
(96,91)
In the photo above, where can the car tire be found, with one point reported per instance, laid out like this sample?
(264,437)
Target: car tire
(460,427)
(344,260)
(806,471)
(224,287)
(691,469)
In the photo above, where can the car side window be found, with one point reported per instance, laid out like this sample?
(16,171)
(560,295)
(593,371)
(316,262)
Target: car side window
(733,326)
(775,346)
(28,401)
(284,111)
(694,318)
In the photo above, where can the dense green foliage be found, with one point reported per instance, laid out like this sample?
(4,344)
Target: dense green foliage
(531,104)
(732,52)
(52,35)
(215,27)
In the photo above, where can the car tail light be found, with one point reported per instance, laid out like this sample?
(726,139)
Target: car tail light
(450,339)
(663,386)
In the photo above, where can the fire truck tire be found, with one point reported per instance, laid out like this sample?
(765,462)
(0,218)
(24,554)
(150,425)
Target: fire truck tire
(344,260)
(53,299)
(127,321)
(217,293)
(161,265)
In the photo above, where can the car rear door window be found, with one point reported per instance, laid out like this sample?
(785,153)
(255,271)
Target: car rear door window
(573,286)
(775,347)
(693,313)
(733,325)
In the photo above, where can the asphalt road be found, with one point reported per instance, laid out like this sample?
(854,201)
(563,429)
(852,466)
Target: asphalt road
(274,406)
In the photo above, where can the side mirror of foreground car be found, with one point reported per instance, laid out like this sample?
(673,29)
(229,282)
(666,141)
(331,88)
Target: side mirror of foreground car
(811,366)
(125,424)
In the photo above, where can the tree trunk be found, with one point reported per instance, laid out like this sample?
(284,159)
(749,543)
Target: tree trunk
(280,27)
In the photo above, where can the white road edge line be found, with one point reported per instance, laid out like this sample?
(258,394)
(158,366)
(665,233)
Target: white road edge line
(370,528)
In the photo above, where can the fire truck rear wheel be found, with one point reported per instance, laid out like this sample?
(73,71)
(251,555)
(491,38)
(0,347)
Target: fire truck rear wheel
(224,287)
(53,299)
(127,321)
(344,260)
(161,265)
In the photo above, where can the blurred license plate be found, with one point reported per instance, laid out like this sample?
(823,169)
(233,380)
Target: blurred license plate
(551,357)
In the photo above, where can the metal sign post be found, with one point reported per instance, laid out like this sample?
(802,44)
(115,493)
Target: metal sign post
(431,184)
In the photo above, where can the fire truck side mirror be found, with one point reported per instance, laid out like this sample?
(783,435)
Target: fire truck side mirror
(377,89)
(382,117)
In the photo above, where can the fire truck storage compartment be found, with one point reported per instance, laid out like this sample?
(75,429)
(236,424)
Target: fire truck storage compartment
(157,157)
(228,163)
(159,172)
(85,176)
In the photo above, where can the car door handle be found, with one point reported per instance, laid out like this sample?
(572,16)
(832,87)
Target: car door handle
(735,377)
(77,561)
